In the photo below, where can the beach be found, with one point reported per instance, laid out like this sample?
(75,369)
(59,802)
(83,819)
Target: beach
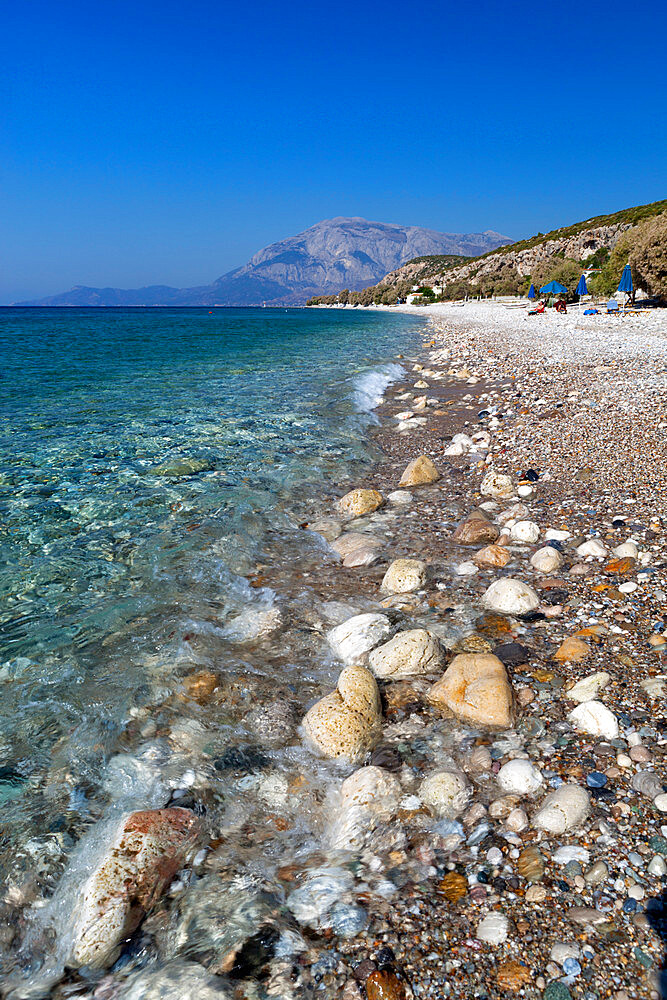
(357,824)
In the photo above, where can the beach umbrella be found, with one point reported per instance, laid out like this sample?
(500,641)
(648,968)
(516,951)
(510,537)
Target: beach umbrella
(582,288)
(531,292)
(625,284)
(553,288)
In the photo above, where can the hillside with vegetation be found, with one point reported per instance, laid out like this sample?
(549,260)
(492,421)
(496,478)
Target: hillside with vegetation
(636,235)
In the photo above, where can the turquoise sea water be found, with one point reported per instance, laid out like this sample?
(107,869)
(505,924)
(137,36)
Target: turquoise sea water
(149,460)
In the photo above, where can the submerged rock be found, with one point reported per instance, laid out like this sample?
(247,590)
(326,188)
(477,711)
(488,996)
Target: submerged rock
(174,981)
(492,556)
(347,722)
(147,850)
(446,792)
(408,654)
(357,548)
(404,576)
(180,467)
(510,597)
(368,797)
(353,638)
(253,624)
(475,688)
(419,472)
(359,502)
(476,529)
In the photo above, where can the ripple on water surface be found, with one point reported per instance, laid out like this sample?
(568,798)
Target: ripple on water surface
(150,465)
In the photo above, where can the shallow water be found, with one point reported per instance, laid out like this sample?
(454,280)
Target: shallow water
(152,463)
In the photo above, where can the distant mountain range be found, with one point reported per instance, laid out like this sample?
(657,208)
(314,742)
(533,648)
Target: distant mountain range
(334,254)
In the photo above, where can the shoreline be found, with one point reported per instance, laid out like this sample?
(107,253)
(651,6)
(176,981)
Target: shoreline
(447,898)
(618,616)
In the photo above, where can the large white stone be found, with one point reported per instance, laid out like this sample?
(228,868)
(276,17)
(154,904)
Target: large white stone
(446,792)
(593,547)
(510,597)
(546,560)
(563,809)
(526,532)
(626,549)
(588,688)
(355,637)
(404,576)
(594,718)
(520,777)
(408,654)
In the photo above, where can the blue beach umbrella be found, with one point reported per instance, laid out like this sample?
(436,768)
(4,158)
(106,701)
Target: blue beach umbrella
(625,284)
(581,288)
(553,288)
(531,292)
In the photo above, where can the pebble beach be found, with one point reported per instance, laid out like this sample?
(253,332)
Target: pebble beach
(456,788)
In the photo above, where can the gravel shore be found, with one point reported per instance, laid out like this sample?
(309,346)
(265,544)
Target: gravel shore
(574,409)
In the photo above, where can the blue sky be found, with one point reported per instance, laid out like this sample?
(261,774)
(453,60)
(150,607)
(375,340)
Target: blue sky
(145,142)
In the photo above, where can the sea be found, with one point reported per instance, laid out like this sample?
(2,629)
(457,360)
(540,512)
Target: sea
(155,468)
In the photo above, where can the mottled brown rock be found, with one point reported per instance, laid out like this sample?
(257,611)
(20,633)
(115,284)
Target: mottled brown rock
(475,530)
(147,850)
(385,985)
(512,975)
(201,685)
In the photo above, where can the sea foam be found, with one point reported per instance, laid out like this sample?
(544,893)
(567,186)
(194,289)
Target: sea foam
(370,387)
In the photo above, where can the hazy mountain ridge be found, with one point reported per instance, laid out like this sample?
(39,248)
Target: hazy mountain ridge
(335,253)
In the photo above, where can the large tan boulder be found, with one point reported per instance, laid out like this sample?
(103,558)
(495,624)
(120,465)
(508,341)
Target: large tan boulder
(408,654)
(356,503)
(347,722)
(420,472)
(404,576)
(475,687)
(476,529)
(146,851)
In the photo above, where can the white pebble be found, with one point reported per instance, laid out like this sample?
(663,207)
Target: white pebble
(493,929)
(660,802)
(594,547)
(520,777)
(594,718)
(526,532)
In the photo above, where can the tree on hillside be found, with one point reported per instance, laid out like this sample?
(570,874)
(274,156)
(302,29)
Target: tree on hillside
(561,269)
(648,255)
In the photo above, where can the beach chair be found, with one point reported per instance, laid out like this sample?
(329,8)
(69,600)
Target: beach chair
(612,307)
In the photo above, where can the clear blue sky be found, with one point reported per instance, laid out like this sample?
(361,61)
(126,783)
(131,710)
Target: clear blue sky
(163,142)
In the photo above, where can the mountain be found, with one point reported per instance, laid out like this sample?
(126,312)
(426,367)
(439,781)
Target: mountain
(508,269)
(333,254)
